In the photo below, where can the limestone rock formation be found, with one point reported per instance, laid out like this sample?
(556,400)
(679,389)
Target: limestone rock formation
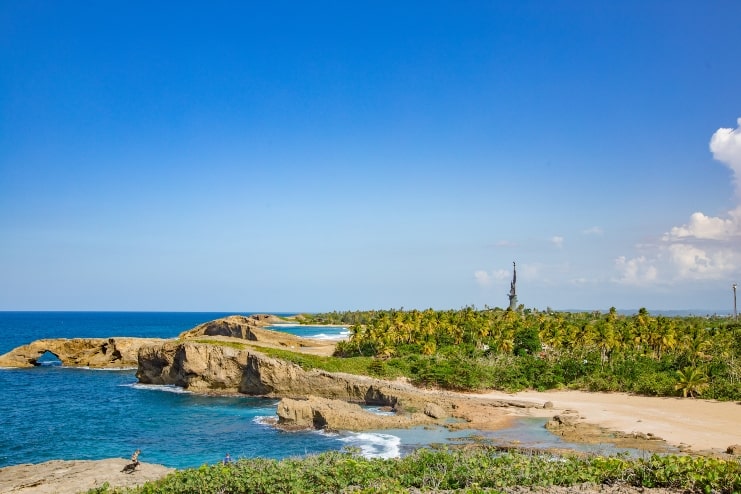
(322,413)
(251,328)
(195,366)
(234,326)
(567,420)
(80,352)
(227,366)
(435,411)
(215,367)
(75,476)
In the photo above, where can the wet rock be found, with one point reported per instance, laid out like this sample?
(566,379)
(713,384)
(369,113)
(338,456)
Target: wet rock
(435,411)
(322,413)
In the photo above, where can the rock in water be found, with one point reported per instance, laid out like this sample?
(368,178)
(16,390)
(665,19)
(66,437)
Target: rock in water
(81,352)
(322,413)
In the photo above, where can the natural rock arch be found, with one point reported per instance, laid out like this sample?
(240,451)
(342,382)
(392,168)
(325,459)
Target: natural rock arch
(80,352)
(52,359)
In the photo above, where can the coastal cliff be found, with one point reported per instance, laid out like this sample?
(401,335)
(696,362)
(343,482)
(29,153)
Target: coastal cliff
(81,352)
(229,356)
(218,367)
(316,398)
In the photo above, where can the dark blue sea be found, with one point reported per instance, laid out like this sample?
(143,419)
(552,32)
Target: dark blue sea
(54,412)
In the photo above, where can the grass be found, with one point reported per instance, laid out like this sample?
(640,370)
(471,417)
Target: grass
(229,344)
(363,366)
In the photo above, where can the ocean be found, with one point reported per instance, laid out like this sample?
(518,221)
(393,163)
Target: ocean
(52,412)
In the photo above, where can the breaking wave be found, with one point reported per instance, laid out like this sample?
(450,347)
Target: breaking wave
(168,388)
(374,445)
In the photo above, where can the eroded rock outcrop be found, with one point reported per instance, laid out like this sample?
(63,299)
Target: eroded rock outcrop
(252,329)
(234,326)
(80,352)
(572,427)
(322,413)
(225,367)
(200,367)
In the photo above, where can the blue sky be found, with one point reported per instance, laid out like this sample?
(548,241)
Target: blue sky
(309,156)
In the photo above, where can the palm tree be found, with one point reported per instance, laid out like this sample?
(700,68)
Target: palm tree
(606,340)
(664,336)
(691,380)
(694,343)
(506,345)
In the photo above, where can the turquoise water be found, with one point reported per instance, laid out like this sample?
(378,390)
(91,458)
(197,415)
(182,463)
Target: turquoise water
(53,412)
(65,413)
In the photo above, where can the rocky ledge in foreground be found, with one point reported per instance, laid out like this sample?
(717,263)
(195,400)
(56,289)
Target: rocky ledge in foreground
(70,477)
(81,352)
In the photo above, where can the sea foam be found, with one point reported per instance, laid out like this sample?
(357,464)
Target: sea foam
(374,445)
(168,388)
(337,336)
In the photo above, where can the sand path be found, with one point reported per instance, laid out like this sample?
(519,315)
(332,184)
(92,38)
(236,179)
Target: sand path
(702,425)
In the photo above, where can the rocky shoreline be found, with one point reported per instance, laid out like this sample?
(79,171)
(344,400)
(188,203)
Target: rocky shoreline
(224,357)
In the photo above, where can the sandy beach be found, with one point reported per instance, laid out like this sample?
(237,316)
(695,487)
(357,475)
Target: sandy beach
(700,425)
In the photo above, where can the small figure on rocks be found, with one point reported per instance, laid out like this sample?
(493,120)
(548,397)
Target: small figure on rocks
(134,462)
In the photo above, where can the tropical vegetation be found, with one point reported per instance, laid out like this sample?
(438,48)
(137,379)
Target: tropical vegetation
(470,349)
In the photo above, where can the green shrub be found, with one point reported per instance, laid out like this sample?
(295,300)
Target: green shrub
(470,470)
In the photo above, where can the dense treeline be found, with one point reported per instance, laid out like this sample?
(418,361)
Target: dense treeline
(527,348)
(476,470)
(338,318)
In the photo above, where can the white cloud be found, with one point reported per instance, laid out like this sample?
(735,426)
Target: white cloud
(527,271)
(701,226)
(636,271)
(485,278)
(725,144)
(706,246)
(726,148)
(482,278)
(696,263)
(557,241)
(595,230)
